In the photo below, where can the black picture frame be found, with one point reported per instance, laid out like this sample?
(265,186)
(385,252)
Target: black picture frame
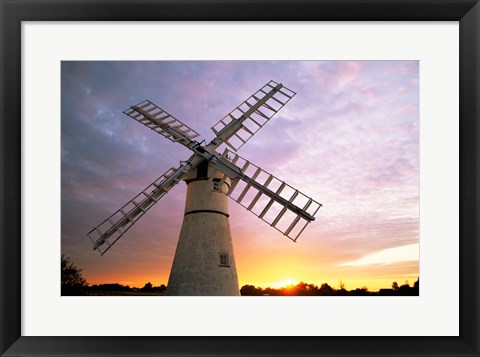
(13,12)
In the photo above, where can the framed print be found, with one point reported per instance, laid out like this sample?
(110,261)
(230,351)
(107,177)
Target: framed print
(374,137)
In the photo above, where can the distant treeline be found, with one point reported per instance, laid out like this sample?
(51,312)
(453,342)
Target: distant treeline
(147,288)
(300,289)
(304,289)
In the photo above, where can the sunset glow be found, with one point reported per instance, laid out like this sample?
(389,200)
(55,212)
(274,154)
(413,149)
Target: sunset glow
(349,139)
(280,284)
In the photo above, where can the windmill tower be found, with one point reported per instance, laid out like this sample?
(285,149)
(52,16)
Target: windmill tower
(204,261)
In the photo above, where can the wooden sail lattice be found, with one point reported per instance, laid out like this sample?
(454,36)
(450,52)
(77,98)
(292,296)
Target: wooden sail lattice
(156,119)
(267,196)
(117,224)
(253,121)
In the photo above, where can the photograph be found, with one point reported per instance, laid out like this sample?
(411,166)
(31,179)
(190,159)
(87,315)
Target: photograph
(240,178)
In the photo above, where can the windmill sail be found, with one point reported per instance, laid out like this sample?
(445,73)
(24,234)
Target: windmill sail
(238,126)
(115,226)
(280,205)
(158,120)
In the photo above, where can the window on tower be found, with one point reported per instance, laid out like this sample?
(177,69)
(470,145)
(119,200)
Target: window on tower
(216,185)
(224,262)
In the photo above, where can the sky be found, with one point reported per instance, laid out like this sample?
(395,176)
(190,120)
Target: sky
(349,139)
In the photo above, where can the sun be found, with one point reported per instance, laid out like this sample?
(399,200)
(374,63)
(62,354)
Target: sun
(284,283)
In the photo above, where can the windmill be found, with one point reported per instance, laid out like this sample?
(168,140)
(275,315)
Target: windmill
(204,262)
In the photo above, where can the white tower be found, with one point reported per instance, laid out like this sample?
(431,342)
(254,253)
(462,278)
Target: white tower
(204,262)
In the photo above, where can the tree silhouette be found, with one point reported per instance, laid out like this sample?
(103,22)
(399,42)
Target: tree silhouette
(342,291)
(395,286)
(301,289)
(109,287)
(250,290)
(326,289)
(72,281)
(160,289)
(359,292)
(405,290)
(147,287)
(416,287)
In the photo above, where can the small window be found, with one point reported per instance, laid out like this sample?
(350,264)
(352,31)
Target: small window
(216,185)
(224,262)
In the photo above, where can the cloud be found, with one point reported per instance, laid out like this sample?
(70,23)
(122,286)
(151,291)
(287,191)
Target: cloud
(387,256)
